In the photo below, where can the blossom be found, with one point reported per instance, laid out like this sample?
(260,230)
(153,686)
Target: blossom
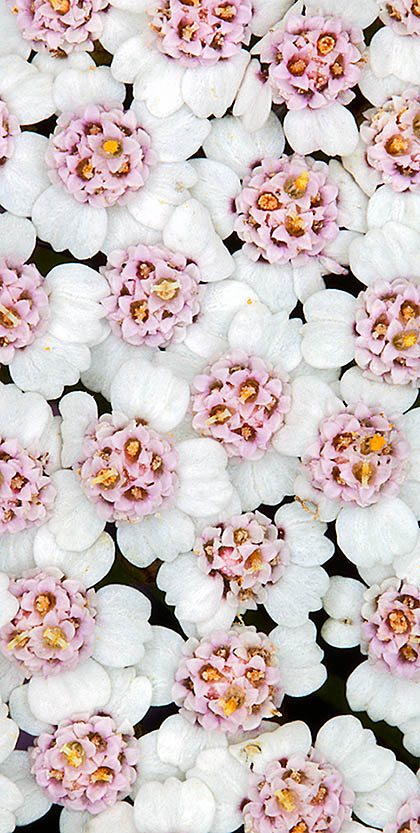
(245,560)
(187,53)
(123,157)
(131,469)
(296,216)
(394,49)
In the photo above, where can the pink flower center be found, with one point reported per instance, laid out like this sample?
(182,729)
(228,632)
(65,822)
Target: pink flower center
(240,404)
(287,209)
(201,31)
(388,332)
(249,553)
(300,794)
(392,136)
(407,818)
(154,294)
(391,629)
(85,764)
(26,493)
(402,15)
(24,309)
(127,469)
(313,61)
(229,681)
(60,26)
(100,154)
(53,628)
(359,456)
(9,128)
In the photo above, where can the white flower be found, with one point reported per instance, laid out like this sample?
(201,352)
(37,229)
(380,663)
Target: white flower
(123,157)
(13,793)
(46,324)
(131,467)
(245,560)
(314,91)
(395,48)
(250,187)
(198,65)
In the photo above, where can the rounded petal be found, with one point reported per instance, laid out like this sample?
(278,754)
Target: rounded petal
(160,661)
(23,178)
(174,805)
(231,144)
(17,236)
(75,520)
(89,565)
(145,390)
(121,625)
(331,129)
(376,533)
(209,91)
(63,221)
(346,745)
(204,486)
(35,801)
(163,535)
(354,386)
(74,88)
(85,689)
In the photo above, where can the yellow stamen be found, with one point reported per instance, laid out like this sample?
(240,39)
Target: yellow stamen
(112,147)
(107,477)
(230,706)
(166,289)
(104,773)
(365,475)
(74,753)
(286,799)
(220,416)
(377,442)
(302,181)
(19,640)
(60,6)
(9,316)
(55,638)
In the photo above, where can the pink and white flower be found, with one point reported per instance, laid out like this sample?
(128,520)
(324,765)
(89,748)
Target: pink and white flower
(395,48)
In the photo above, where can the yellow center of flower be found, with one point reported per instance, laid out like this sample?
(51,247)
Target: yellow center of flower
(166,289)
(230,706)
(377,442)
(112,147)
(74,753)
(60,6)
(106,477)
(8,318)
(302,181)
(286,798)
(55,637)
(402,341)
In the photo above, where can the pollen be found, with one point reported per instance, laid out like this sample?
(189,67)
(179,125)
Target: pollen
(397,145)
(8,318)
(74,753)
(106,478)
(286,798)
(377,442)
(326,44)
(302,180)
(230,706)
(104,773)
(60,6)
(218,415)
(55,637)
(44,602)
(112,147)
(19,640)
(268,202)
(166,289)
(294,225)
(403,341)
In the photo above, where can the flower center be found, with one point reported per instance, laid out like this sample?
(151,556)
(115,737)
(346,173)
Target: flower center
(24,309)
(359,456)
(402,15)
(201,32)
(387,329)
(59,26)
(313,61)
(81,753)
(407,818)
(301,793)
(93,167)
(392,136)
(53,628)
(236,684)
(239,403)
(154,294)
(128,470)
(391,629)
(286,209)
(26,493)
(247,552)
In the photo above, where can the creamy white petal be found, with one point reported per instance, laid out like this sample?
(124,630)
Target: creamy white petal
(191,231)
(266,480)
(62,221)
(208,336)
(340,633)
(288,739)
(152,766)
(163,535)
(16,552)
(161,659)
(118,817)
(17,236)
(75,88)
(195,595)
(376,533)
(253,102)
(387,205)
(11,676)
(393,54)
(89,565)
(145,390)
(344,597)
(106,360)
(131,696)
(175,137)
(216,188)
(209,91)
(22,713)
(26,90)
(305,536)
(331,129)
(118,26)
(231,144)
(356,163)
(133,57)
(387,253)
(11,40)
(204,485)
(266,14)
(360,13)
(312,400)
(328,343)
(174,805)
(228,781)
(179,741)
(121,625)
(78,410)
(74,520)
(354,386)
(272,282)
(75,291)
(24,176)
(345,744)
(307,279)
(85,689)
(35,801)
(298,592)
(351,201)
(47,63)
(382,696)
(158,79)
(124,231)
(166,187)
(24,416)
(48,365)
(379,807)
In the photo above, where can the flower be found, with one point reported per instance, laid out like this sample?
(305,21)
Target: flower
(246,560)
(394,49)
(296,215)
(187,53)
(59,27)
(132,470)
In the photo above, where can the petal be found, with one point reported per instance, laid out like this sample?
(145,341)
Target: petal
(106,360)
(298,592)
(209,91)
(266,480)
(174,805)
(79,411)
(161,659)
(24,416)
(379,807)
(17,236)
(386,253)
(253,102)
(165,188)
(175,137)
(216,188)
(124,231)
(376,533)
(204,486)
(354,386)
(162,398)
(75,292)
(195,594)
(163,535)
(228,781)
(36,803)
(75,519)
(24,176)
(345,744)
(118,817)
(231,144)
(356,163)
(131,696)
(89,565)
(273,283)
(179,742)
(26,90)
(392,54)
(63,221)
(305,537)
(190,231)
(387,205)
(85,689)
(331,129)
(48,365)
(312,400)
(121,625)
(22,713)
(75,88)
(351,202)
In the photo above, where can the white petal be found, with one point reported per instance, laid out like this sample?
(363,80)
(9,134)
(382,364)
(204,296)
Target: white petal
(134,56)
(195,594)
(328,343)
(84,690)
(387,205)
(24,176)
(63,221)
(381,806)
(298,592)
(341,634)
(253,102)
(174,805)
(160,662)
(266,480)
(24,416)
(209,91)
(354,386)
(345,744)
(166,187)
(118,817)
(76,87)
(358,13)
(356,163)
(11,676)
(216,188)
(75,291)
(376,533)
(204,486)
(351,202)
(152,766)
(158,79)
(230,143)
(312,400)
(190,231)
(179,741)
(48,365)
(228,781)
(175,137)
(392,54)
(150,392)
(17,236)
(272,282)
(305,537)
(106,360)
(343,598)
(118,27)
(121,625)
(11,40)
(163,535)
(16,552)
(124,231)
(288,739)
(36,803)
(22,713)
(75,520)
(219,305)
(79,410)
(386,253)
(131,696)
(331,129)
(26,90)
(89,565)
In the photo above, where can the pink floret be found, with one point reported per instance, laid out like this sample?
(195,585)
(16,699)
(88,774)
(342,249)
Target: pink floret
(313,61)
(59,26)
(287,210)
(402,15)
(127,469)
(24,312)
(392,136)
(229,680)
(360,456)
(240,403)
(100,154)
(85,764)
(391,631)
(26,492)
(201,32)
(154,294)
(407,818)
(53,628)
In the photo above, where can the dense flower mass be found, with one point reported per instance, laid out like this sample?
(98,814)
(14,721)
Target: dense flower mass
(287,209)
(299,793)
(312,61)
(24,310)
(59,26)
(229,681)
(387,332)
(391,629)
(53,628)
(359,456)
(241,403)
(128,470)
(26,492)
(248,552)
(392,136)
(100,154)
(402,15)
(154,294)
(85,764)
(196,32)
